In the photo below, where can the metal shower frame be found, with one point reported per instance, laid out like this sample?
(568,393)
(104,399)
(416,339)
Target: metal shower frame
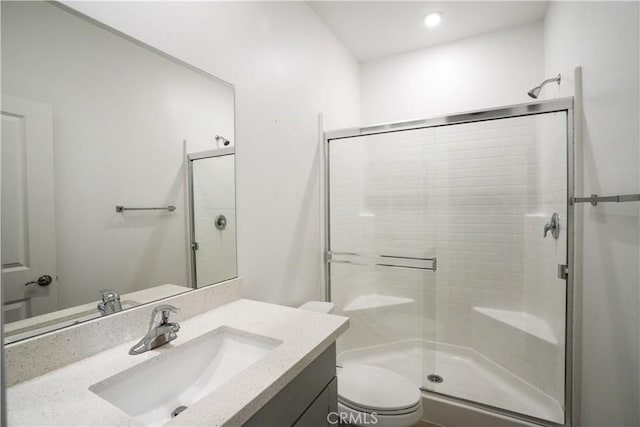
(528,109)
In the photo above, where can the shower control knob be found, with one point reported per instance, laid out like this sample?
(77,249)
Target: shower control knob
(553,226)
(221,222)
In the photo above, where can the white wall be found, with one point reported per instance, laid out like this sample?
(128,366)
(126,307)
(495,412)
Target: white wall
(485,71)
(603,38)
(286,67)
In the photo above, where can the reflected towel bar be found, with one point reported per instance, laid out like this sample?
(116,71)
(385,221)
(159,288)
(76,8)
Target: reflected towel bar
(169,208)
(595,199)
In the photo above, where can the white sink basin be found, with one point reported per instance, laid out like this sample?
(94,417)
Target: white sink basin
(152,391)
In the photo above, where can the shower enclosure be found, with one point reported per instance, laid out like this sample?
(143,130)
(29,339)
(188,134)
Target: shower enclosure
(442,251)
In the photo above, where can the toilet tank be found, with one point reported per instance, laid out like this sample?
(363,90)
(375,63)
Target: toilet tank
(319,306)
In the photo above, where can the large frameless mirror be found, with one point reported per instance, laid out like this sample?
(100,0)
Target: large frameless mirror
(95,207)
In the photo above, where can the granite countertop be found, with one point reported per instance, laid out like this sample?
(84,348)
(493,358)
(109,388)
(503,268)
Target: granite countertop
(62,397)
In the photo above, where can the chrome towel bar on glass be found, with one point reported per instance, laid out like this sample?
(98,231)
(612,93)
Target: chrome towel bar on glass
(595,199)
(378,264)
(169,208)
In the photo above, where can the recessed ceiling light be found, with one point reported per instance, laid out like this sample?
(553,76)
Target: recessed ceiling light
(432,19)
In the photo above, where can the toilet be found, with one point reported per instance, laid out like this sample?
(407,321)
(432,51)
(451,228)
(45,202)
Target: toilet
(371,395)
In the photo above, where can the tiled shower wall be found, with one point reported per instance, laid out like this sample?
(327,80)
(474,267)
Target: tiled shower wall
(477,197)
(481,186)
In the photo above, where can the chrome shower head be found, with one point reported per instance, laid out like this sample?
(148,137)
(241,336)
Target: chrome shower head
(536,90)
(224,140)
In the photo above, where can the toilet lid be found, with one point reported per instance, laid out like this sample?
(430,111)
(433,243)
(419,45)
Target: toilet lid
(371,387)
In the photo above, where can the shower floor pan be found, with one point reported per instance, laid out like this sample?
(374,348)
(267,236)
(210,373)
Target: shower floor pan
(465,373)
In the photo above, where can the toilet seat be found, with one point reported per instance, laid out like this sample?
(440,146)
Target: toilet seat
(405,411)
(369,388)
(381,420)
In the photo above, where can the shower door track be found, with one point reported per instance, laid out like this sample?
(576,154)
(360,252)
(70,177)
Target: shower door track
(505,112)
(494,409)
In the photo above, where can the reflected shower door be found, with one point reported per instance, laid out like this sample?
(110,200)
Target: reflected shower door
(381,249)
(501,306)
(213,215)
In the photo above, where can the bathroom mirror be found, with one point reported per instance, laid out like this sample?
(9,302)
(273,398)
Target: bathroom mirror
(95,129)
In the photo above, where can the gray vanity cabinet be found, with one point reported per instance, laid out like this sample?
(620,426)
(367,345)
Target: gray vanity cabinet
(307,400)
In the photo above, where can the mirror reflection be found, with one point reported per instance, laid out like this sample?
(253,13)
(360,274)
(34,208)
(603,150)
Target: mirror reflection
(95,206)
(213,214)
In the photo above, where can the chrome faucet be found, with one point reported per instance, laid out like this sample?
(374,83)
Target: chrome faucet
(160,330)
(110,302)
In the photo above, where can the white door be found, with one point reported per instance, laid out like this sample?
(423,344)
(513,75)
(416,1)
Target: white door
(28,221)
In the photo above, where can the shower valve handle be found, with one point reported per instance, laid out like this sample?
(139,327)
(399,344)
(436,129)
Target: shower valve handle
(553,226)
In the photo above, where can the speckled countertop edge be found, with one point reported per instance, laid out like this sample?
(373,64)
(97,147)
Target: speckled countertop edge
(62,396)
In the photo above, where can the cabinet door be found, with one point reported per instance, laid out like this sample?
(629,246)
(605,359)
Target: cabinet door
(291,404)
(318,412)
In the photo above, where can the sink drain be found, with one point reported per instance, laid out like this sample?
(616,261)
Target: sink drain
(435,378)
(178,411)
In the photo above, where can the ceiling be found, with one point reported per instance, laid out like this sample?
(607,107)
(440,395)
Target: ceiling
(375,29)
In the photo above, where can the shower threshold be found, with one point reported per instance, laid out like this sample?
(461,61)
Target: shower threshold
(466,374)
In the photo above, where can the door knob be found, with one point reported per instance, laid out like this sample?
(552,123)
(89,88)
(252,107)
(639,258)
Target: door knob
(42,281)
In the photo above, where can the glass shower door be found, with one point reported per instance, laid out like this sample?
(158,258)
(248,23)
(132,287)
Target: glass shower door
(488,199)
(381,250)
(501,315)
(213,217)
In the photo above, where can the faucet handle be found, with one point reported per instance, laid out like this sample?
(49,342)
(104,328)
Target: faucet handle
(160,315)
(109,295)
(166,308)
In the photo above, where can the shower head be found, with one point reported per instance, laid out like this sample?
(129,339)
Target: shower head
(224,140)
(536,90)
